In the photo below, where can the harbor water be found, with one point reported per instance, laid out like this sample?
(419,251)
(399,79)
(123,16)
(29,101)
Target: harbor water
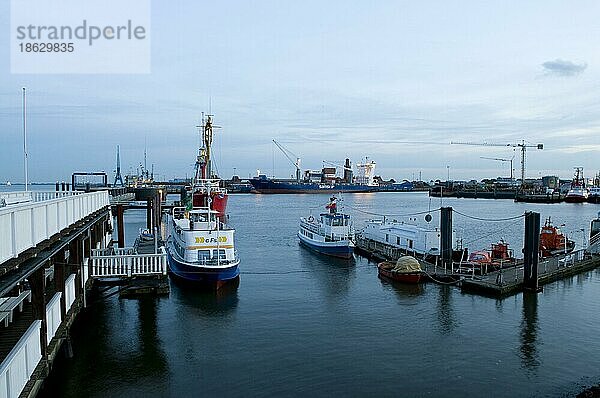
(303,324)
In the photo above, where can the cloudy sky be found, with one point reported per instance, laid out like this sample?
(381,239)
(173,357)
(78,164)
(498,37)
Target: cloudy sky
(396,81)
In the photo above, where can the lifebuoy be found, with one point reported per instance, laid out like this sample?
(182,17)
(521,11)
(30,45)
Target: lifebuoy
(311,219)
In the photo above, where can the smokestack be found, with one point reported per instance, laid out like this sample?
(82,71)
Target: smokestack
(347,171)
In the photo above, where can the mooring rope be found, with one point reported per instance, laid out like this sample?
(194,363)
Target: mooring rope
(394,215)
(489,219)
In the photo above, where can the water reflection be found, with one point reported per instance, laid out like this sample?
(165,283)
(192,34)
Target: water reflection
(151,359)
(529,330)
(210,302)
(403,290)
(335,275)
(445,312)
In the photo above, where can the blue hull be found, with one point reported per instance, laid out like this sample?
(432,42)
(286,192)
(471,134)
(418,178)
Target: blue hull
(337,251)
(202,275)
(268,185)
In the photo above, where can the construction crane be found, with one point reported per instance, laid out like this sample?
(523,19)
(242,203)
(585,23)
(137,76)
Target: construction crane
(521,145)
(291,156)
(502,160)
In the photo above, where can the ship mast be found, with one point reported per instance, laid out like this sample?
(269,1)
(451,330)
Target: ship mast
(203,162)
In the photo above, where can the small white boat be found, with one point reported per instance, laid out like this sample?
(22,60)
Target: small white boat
(331,233)
(146,234)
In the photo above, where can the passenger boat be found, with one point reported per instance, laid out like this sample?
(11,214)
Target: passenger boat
(200,245)
(553,241)
(406,269)
(578,192)
(331,233)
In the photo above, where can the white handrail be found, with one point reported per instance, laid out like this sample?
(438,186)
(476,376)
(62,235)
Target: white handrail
(23,226)
(53,316)
(129,264)
(18,366)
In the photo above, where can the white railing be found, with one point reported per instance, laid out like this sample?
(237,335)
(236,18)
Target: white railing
(17,367)
(53,316)
(128,265)
(11,198)
(24,225)
(69,292)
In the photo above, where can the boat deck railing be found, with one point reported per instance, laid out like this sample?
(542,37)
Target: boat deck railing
(321,231)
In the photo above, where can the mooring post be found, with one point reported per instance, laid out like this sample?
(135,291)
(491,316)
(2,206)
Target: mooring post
(149,214)
(120,226)
(530,251)
(446,236)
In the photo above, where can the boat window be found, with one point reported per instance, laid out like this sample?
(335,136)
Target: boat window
(410,243)
(203,255)
(387,238)
(198,217)
(222,255)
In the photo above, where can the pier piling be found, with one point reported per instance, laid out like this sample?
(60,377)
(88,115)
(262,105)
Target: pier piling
(446,236)
(531,251)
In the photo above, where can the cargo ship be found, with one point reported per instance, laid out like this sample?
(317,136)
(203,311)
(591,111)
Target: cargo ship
(321,181)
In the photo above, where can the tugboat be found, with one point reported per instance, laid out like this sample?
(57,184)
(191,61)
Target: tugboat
(330,234)
(200,246)
(578,192)
(406,269)
(553,241)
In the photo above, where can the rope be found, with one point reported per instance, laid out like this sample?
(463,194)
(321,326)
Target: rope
(489,219)
(440,282)
(490,234)
(393,215)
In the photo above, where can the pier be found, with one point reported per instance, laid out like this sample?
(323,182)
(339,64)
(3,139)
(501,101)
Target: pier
(530,273)
(53,246)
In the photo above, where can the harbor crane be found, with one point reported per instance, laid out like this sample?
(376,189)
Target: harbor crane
(521,145)
(502,160)
(291,156)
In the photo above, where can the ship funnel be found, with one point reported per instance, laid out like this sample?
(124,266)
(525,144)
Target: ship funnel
(347,171)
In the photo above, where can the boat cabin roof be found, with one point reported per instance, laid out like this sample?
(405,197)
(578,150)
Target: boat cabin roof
(335,215)
(203,210)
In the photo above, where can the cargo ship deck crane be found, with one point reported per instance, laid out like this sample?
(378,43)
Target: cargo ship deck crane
(290,155)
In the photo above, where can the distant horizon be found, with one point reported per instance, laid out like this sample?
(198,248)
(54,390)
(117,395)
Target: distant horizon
(394,81)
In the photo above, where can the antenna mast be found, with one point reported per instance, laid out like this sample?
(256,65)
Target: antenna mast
(25,140)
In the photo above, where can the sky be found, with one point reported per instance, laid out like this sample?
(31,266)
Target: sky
(394,81)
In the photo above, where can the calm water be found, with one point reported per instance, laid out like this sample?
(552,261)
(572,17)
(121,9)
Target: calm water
(302,324)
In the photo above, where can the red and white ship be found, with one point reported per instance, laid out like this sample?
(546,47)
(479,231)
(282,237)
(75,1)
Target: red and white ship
(206,189)
(578,192)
